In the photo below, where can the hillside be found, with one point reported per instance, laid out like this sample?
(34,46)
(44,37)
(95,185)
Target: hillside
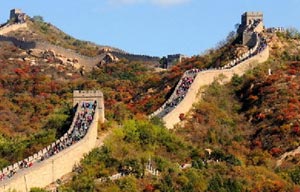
(38,30)
(36,89)
(43,32)
(230,141)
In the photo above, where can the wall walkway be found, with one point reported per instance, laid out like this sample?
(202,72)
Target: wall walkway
(12,27)
(41,173)
(206,78)
(177,105)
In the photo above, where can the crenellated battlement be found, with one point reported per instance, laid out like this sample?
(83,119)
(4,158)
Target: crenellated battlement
(58,158)
(185,93)
(251,17)
(250,22)
(87,94)
(90,95)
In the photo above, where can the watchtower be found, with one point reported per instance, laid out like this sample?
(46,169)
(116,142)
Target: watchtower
(251,22)
(90,96)
(249,18)
(172,60)
(17,16)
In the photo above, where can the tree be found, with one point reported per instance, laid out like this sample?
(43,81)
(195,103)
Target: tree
(237,26)
(37,189)
(292,33)
(231,36)
(216,183)
(295,175)
(163,62)
(128,184)
(38,18)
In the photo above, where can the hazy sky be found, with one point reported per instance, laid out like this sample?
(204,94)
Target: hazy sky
(154,27)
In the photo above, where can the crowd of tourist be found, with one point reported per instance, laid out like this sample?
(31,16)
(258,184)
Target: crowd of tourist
(185,85)
(180,92)
(190,75)
(262,44)
(78,130)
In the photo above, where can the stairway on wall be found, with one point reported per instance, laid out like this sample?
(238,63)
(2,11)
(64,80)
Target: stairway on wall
(58,158)
(178,104)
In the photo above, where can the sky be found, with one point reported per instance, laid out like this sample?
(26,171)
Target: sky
(155,27)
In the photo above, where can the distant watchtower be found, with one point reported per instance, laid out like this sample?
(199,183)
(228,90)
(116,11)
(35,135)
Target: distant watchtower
(249,18)
(17,16)
(170,60)
(250,22)
(90,95)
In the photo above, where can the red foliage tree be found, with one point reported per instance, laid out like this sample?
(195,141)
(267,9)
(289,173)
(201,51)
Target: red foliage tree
(149,188)
(275,151)
(181,116)
(296,130)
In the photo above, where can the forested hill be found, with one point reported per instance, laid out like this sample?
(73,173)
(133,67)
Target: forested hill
(230,141)
(46,32)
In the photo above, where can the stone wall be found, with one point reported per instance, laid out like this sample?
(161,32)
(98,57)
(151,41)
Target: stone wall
(249,39)
(134,57)
(164,109)
(42,173)
(19,43)
(53,168)
(259,28)
(92,95)
(249,17)
(248,35)
(86,61)
(206,78)
(50,170)
(8,28)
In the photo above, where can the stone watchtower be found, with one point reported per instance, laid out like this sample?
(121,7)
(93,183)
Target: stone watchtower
(90,95)
(249,18)
(250,22)
(17,16)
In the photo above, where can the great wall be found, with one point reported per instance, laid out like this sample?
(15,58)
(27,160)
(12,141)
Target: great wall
(87,62)
(44,167)
(171,110)
(12,27)
(42,172)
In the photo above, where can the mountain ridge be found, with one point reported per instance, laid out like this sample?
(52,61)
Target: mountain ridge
(231,139)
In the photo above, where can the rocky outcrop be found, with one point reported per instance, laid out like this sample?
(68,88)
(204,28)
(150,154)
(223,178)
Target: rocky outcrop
(107,59)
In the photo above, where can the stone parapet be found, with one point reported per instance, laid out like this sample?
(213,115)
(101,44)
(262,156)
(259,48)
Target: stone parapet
(90,95)
(42,173)
(12,27)
(205,78)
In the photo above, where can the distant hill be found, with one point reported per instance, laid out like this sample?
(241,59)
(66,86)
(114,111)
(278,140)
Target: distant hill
(39,31)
